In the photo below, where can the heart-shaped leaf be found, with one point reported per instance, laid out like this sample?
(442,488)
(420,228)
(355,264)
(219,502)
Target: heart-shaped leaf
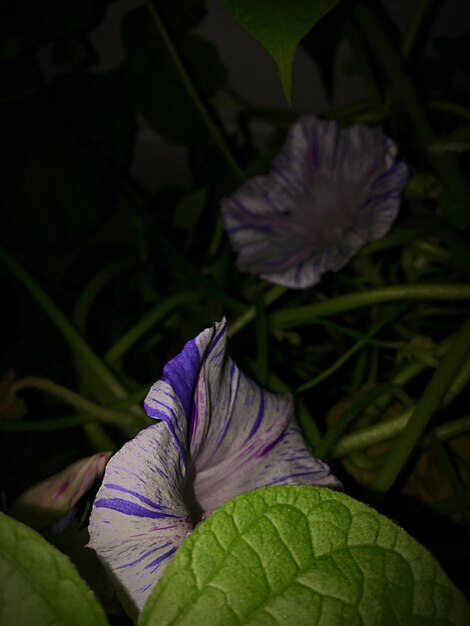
(279,25)
(39,584)
(305,556)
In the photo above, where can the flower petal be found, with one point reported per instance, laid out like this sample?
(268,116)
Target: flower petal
(219,435)
(53,498)
(139,517)
(329,192)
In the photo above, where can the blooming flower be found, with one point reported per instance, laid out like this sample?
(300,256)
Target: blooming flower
(330,191)
(219,435)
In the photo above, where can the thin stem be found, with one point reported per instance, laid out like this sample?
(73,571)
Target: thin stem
(214,132)
(288,318)
(91,290)
(249,314)
(385,431)
(405,98)
(351,352)
(425,408)
(450,107)
(89,359)
(143,326)
(97,412)
(419,16)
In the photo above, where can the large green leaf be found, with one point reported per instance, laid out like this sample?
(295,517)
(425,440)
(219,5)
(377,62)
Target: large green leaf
(40,587)
(279,25)
(304,556)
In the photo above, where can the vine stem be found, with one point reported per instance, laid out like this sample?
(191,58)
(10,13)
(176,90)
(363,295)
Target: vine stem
(250,313)
(89,359)
(288,318)
(403,94)
(384,431)
(99,413)
(214,132)
(425,408)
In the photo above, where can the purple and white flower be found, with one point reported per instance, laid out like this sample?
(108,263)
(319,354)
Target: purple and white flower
(330,191)
(219,435)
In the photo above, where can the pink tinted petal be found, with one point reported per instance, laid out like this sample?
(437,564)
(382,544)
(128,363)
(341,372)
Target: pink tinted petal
(330,191)
(50,500)
(139,517)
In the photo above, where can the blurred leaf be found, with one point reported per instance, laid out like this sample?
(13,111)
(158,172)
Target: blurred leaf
(188,210)
(153,85)
(30,22)
(72,53)
(322,44)
(306,556)
(54,191)
(95,105)
(39,584)
(279,26)
(453,208)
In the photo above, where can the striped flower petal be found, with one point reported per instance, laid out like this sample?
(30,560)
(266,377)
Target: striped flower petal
(330,191)
(219,435)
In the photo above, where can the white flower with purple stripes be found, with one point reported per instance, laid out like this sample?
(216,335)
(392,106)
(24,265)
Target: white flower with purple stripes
(219,435)
(330,191)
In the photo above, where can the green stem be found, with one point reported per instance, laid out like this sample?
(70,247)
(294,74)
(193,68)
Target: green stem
(98,413)
(450,107)
(308,426)
(92,289)
(419,17)
(143,326)
(425,408)
(405,98)
(288,318)
(89,359)
(385,431)
(349,416)
(214,132)
(351,352)
(250,313)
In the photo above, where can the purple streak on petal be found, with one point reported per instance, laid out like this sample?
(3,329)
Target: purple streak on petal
(144,556)
(231,394)
(270,446)
(160,414)
(129,508)
(161,558)
(219,335)
(288,477)
(181,374)
(136,494)
(259,417)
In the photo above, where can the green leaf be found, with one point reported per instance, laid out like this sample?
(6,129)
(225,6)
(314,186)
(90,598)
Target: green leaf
(304,556)
(39,585)
(279,25)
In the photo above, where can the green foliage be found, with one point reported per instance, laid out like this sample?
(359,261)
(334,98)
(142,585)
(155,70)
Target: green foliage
(302,555)
(103,282)
(279,25)
(39,584)
(153,85)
